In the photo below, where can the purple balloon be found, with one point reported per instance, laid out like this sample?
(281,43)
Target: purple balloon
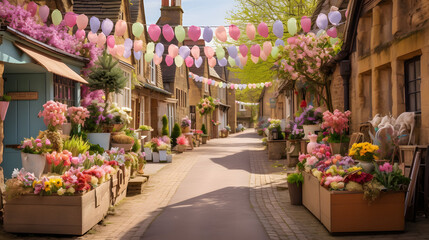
(198,62)
(232,50)
(222,62)
(138,55)
(159,49)
(128,44)
(334,17)
(208,34)
(94,23)
(184,51)
(106,26)
(279,42)
(278,29)
(127,53)
(322,21)
(237,61)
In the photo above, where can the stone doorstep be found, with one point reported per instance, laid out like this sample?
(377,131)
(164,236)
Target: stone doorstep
(136,185)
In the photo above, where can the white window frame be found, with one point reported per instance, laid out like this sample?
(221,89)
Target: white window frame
(152,73)
(123,99)
(142,109)
(206,87)
(242,108)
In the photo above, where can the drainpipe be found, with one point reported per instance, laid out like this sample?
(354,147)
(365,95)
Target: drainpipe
(345,72)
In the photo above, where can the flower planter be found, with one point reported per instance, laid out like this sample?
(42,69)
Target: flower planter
(295,193)
(102,139)
(120,184)
(145,133)
(127,147)
(169,158)
(66,128)
(343,211)
(311,194)
(204,139)
(34,163)
(4,105)
(148,154)
(310,129)
(293,147)
(276,149)
(162,155)
(339,148)
(155,157)
(71,215)
(181,148)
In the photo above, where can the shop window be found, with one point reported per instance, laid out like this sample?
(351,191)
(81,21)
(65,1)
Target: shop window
(412,85)
(64,90)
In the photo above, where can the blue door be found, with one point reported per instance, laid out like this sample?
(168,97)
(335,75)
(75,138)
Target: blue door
(21,119)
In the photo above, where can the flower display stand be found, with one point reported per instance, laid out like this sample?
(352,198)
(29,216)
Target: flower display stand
(119,185)
(343,211)
(311,194)
(276,149)
(70,215)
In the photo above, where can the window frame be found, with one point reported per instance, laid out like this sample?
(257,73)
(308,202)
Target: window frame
(417,80)
(242,107)
(152,73)
(123,99)
(142,109)
(64,86)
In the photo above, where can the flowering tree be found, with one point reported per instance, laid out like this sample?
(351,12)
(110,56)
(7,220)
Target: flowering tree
(301,60)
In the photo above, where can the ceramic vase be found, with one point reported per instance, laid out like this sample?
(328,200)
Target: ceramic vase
(33,163)
(312,144)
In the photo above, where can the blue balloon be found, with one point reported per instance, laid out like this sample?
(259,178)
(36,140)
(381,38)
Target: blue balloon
(94,23)
(279,42)
(232,50)
(208,34)
(138,55)
(222,62)
(278,29)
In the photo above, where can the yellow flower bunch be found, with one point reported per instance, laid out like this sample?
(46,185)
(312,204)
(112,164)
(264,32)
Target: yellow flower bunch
(364,151)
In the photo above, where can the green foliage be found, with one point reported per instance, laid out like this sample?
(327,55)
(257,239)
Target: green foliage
(393,180)
(203,129)
(145,128)
(175,134)
(164,125)
(296,178)
(95,149)
(107,76)
(5,98)
(76,145)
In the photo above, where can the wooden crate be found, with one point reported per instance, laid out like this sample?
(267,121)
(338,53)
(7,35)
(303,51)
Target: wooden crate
(311,194)
(343,211)
(71,215)
(120,184)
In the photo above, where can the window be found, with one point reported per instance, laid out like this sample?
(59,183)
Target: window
(64,90)
(242,108)
(412,85)
(206,87)
(140,67)
(152,73)
(123,99)
(222,94)
(141,111)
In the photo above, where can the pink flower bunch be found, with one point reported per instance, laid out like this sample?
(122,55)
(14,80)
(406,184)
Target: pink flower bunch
(25,177)
(166,139)
(336,122)
(182,140)
(333,179)
(35,146)
(89,98)
(95,171)
(322,151)
(53,113)
(78,115)
(386,167)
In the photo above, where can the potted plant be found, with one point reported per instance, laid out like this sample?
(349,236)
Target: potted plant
(366,154)
(204,135)
(337,123)
(294,183)
(293,143)
(162,150)
(76,117)
(182,142)
(145,130)
(275,130)
(147,147)
(76,145)
(122,141)
(121,118)
(33,155)
(310,118)
(59,161)
(186,125)
(4,105)
(175,134)
(228,130)
(164,130)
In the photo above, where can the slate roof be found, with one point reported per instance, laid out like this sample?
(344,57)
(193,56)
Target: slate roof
(100,9)
(134,9)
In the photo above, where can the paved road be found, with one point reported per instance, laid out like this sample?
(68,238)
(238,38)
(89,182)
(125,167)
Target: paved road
(212,202)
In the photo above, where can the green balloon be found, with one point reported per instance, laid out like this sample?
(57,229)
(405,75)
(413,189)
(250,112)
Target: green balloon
(231,62)
(56,17)
(275,52)
(150,47)
(220,52)
(137,29)
(333,41)
(180,33)
(148,56)
(178,60)
(291,26)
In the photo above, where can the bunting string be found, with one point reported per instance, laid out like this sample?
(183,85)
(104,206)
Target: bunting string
(246,103)
(233,86)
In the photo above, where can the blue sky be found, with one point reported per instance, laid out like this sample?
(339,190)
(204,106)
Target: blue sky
(196,12)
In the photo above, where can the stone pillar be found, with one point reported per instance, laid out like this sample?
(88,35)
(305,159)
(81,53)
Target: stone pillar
(398,101)
(424,88)
(376,27)
(361,99)
(397,18)
(375,91)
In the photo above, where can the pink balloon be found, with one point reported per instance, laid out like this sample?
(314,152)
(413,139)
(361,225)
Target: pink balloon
(306,24)
(32,8)
(112,51)
(70,19)
(212,62)
(243,60)
(263,29)
(168,60)
(92,37)
(209,52)
(195,51)
(44,13)
(101,40)
(167,32)
(173,51)
(120,28)
(120,49)
(263,56)
(82,21)
(157,59)
(209,81)
(138,45)
(332,32)
(154,32)
(234,32)
(255,50)
(110,41)
(221,33)
(80,34)
(189,61)
(267,46)
(194,33)
(254,59)
(250,31)
(243,50)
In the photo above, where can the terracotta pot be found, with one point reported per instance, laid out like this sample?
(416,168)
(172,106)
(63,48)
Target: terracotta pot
(181,148)
(295,193)
(140,169)
(117,127)
(145,133)
(33,163)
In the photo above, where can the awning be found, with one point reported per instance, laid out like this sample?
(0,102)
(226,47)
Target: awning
(51,64)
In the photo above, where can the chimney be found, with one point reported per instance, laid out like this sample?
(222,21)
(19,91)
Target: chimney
(171,12)
(165,3)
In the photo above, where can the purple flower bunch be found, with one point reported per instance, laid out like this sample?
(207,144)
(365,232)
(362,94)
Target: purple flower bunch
(309,116)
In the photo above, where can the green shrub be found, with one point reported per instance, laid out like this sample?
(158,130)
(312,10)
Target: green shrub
(296,178)
(175,134)
(203,129)
(164,125)
(76,145)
